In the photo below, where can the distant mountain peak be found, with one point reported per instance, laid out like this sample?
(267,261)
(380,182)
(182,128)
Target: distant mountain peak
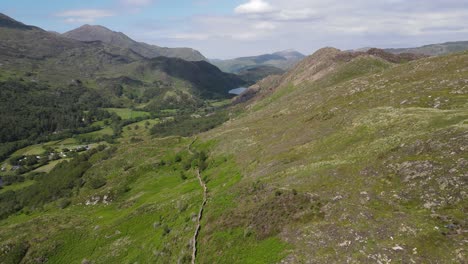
(94,27)
(93,33)
(290,54)
(288,51)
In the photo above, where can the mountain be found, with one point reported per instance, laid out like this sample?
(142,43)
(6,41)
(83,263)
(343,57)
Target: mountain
(99,33)
(253,74)
(434,49)
(48,57)
(283,60)
(8,22)
(347,157)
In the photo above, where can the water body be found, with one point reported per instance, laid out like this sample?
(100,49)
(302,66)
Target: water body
(237,91)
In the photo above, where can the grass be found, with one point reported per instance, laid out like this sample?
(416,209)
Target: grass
(126,113)
(344,136)
(241,249)
(16,186)
(343,167)
(47,168)
(139,129)
(155,188)
(30,150)
(219,103)
(105,131)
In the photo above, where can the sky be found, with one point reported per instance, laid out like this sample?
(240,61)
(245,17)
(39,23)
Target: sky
(233,28)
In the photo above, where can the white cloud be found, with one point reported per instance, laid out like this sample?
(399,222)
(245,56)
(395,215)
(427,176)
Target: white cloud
(254,7)
(137,3)
(296,14)
(264,26)
(84,15)
(260,26)
(190,36)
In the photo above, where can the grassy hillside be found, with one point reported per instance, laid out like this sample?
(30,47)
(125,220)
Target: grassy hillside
(345,158)
(379,150)
(283,60)
(252,75)
(434,49)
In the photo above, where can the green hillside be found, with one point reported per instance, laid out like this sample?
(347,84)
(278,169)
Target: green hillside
(283,60)
(434,49)
(253,74)
(347,157)
(379,150)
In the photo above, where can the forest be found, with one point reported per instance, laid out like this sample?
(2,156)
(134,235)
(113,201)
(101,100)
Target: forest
(30,110)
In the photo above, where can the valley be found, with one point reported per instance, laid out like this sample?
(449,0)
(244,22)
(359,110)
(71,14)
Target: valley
(117,151)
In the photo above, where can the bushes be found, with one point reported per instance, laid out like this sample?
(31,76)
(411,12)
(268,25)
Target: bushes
(6,149)
(64,203)
(188,126)
(11,179)
(97,182)
(59,183)
(14,253)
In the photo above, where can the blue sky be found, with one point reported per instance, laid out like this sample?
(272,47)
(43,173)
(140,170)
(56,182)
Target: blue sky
(231,28)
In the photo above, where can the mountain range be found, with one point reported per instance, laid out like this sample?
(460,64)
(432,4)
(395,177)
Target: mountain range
(282,60)
(99,33)
(31,53)
(431,49)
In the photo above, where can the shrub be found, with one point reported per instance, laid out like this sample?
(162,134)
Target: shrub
(135,140)
(178,158)
(166,230)
(101,147)
(97,182)
(64,203)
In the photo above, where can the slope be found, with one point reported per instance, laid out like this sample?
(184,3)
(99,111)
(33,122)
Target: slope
(253,74)
(283,60)
(349,161)
(118,39)
(34,54)
(361,161)
(434,49)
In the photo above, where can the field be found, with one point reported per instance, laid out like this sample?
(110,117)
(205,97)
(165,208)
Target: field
(47,168)
(126,113)
(17,186)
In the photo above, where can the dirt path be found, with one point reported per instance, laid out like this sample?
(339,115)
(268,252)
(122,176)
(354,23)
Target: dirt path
(200,213)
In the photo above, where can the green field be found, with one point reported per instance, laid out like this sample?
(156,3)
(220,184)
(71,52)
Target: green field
(105,131)
(47,168)
(139,129)
(16,186)
(126,113)
(31,150)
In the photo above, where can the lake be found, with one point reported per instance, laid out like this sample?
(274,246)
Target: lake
(237,91)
